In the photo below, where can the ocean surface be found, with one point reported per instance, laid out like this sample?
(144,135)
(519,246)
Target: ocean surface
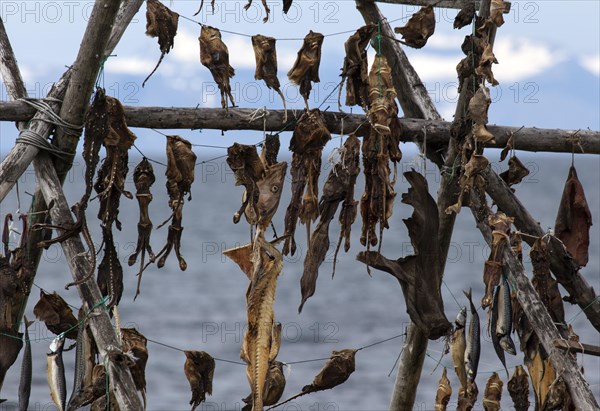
(203,308)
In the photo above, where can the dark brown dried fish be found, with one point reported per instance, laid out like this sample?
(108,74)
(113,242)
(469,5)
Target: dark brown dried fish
(181,161)
(518,388)
(110,271)
(465,15)
(162,23)
(135,343)
(493,393)
(444,392)
(573,220)
(247,169)
(355,69)
(266,64)
(500,224)
(468,397)
(336,371)
(485,65)
(516,172)
(479,105)
(54,311)
(143,178)
(306,68)
(419,28)
(199,369)
(309,138)
(338,187)
(472,178)
(215,56)
(265,5)
(419,275)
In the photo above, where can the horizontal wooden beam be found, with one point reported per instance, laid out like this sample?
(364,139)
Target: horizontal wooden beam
(581,348)
(447,4)
(437,131)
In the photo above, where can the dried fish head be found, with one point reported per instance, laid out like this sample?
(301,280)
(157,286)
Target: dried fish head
(54,311)
(215,56)
(419,28)
(199,369)
(181,162)
(270,188)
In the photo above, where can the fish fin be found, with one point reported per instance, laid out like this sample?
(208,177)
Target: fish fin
(242,256)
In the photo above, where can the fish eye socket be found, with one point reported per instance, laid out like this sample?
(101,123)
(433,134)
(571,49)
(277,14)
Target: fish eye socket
(274,189)
(271,256)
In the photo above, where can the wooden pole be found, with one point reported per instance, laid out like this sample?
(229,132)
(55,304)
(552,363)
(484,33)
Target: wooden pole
(562,265)
(438,131)
(99,321)
(539,319)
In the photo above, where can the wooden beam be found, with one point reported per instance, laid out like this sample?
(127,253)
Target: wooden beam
(562,265)
(438,131)
(75,254)
(572,346)
(539,318)
(447,4)
(8,68)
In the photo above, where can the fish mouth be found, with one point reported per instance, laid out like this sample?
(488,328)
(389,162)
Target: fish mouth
(508,345)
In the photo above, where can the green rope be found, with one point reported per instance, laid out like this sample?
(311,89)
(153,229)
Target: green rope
(583,309)
(102,302)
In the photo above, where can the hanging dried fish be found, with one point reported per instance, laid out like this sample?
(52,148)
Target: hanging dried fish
(500,224)
(199,369)
(444,392)
(419,28)
(307,142)
(355,69)
(419,274)
(306,68)
(497,8)
(56,373)
(339,185)
(516,172)
(181,161)
(493,393)
(468,397)
(472,178)
(485,65)
(54,311)
(11,342)
(262,263)
(518,388)
(479,105)
(473,347)
(162,23)
(573,220)
(286,5)
(379,147)
(143,178)
(458,347)
(544,284)
(110,271)
(26,366)
(215,56)
(267,9)
(135,344)
(85,360)
(247,169)
(266,64)
(8,280)
(465,16)
(336,371)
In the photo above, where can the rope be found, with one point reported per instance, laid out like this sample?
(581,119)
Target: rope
(584,308)
(42,106)
(35,139)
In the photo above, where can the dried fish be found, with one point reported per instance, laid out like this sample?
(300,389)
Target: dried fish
(500,224)
(574,219)
(212,5)
(199,369)
(419,28)
(286,5)
(309,138)
(504,325)
(135,344)
(544,284)
(306,68)
(181,161)
(247,169)
(26,366)
(266,64)
(110,271)
(84,364)
(518,388)
(419,274)
(473,347)
(479,105)
(458,347)
(267,9)
(493,393)
(444,392)
(465,16)
(215,56)
(485,65)
(467,397)
(54,311)
(336,371)
(143,178)
(355,69)
(516,172)
(56,373)
(339,185)
(472,179)
(496,12)
(162,23)
(493,327)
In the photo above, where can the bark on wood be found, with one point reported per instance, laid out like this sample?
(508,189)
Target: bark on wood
(99,321)
(448,4)
(562,265)
(8,66)
(438,131)
(572,346)
(540,320)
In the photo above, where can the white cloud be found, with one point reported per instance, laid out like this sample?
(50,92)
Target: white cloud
(430,66)
(522,58)
(129,65)
(591,64)
(186,48)
(241,53)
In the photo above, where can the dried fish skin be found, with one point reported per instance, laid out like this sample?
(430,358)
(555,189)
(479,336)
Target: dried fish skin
(136,344)
(444,392)
(419,28)
(355,68)
(215,56)
(162,23)
(518,388)
(54,311)
(493,393)
(266,64)
(465,16)
(306,67)
(516,172)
